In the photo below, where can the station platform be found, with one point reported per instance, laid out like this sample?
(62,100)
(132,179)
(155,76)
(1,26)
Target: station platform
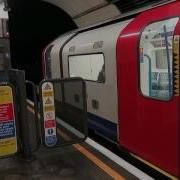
(74,162)
(87,160)
(80,161)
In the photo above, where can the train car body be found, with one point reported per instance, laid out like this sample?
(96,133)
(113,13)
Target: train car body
(92,55)
(52,54)
(131,70)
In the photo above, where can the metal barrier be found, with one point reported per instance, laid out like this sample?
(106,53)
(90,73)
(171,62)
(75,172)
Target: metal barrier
(63,111)
(35,130)
(61,119)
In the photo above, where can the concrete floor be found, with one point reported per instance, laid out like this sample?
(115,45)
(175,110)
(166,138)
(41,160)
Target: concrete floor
(62,163)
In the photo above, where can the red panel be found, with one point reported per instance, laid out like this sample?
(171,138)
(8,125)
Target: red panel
(148,128)
(50,124)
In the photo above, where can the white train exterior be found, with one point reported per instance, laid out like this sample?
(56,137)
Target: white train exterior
(96,46)
(131,70)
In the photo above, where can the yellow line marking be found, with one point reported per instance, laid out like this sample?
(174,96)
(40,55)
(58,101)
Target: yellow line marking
(98,162)
(93,158)
(90,155)
(155,167)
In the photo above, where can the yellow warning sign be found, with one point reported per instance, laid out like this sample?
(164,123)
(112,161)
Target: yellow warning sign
(8,146)
(49,108)
(49,114)
(8,140)
(48,101)
(5,95)
(48,93)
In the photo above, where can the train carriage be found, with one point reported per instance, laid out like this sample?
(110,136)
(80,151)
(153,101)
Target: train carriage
(52,55)
(92,56)
(131,68)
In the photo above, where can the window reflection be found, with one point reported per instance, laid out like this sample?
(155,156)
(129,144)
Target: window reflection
(89,67)
(156,59)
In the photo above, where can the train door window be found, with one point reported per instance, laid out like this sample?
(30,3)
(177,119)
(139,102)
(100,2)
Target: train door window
(47,57)
(89,67)
(156,59)
(1,28)
(5,28)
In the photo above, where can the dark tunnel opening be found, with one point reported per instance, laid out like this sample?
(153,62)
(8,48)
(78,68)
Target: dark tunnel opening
(33,24)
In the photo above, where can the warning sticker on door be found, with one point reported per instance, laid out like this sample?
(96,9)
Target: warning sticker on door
(176,61)
(49,114)
(8,139)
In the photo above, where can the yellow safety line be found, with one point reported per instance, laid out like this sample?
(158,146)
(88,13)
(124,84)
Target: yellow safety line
(155,167)
(99,163)
(94,159)
(90,156)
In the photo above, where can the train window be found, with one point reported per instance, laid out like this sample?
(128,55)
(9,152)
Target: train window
(156,79)
(89,67)
(5,28)
(1,28)
(47,56)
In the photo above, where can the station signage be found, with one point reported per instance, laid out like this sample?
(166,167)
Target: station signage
(49,118)
(8,138)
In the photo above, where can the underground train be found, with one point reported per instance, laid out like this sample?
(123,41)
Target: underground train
(131,69)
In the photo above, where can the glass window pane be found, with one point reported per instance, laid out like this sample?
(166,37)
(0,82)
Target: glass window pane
(48,62)
(89,67)
(156,59)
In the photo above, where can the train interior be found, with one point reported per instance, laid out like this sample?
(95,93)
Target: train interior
(156,59)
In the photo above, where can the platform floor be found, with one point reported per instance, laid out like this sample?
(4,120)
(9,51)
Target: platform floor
(75,162)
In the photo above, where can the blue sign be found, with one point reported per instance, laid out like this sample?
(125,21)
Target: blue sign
(51,140)
(7,130)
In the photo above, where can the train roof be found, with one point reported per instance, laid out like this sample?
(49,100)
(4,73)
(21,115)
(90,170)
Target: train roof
(116,19)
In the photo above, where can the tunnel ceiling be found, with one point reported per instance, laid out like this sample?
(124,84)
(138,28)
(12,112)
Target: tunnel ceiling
(87,12)
(35,23)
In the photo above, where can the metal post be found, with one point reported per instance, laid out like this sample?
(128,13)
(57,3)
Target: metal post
(17,77)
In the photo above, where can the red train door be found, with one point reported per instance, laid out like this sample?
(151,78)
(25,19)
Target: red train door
(148,86)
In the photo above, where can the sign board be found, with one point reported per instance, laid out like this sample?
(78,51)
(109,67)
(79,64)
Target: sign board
(63,117)
(49,114)
(8,138)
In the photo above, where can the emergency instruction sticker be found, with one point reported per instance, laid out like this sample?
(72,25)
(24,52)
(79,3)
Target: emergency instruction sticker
(49,114)
(8,139)
(176,61)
